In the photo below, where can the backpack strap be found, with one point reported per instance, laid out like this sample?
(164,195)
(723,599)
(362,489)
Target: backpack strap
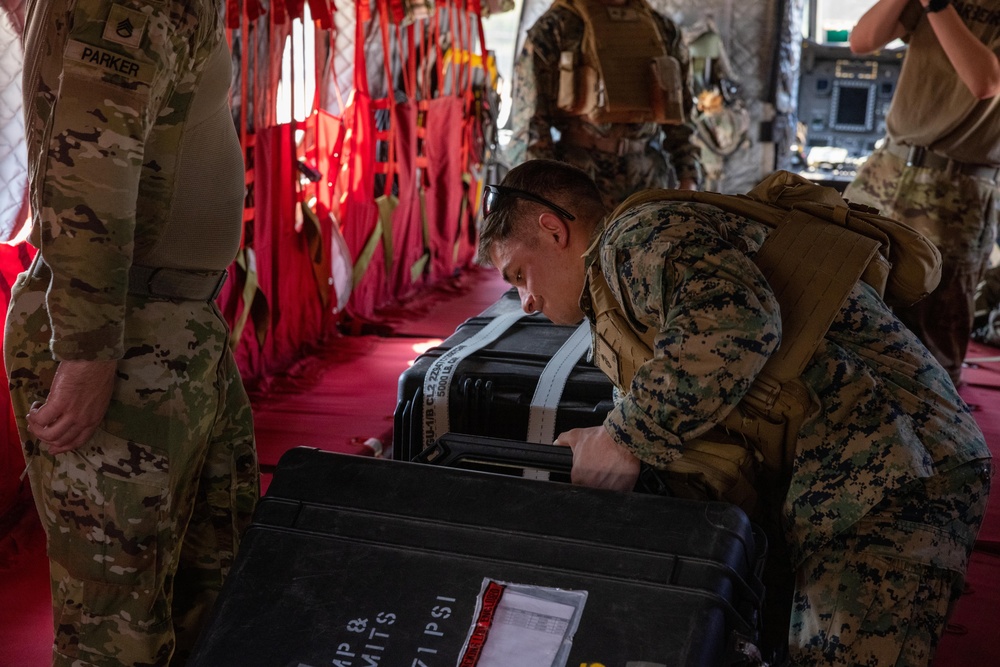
(811,266)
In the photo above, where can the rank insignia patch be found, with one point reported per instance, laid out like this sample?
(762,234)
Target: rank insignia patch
(125,26)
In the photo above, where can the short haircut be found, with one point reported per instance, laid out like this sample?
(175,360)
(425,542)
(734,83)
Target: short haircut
(566,185)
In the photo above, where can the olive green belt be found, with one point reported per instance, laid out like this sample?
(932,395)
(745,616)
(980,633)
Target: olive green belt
(921,156)
(161,282)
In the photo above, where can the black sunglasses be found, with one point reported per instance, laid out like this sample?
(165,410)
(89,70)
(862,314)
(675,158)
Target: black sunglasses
(492,194)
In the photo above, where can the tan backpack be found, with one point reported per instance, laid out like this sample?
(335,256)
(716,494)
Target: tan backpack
(819,248)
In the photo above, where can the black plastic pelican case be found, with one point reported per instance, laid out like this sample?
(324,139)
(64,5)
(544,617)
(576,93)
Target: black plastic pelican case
(356,561)
(492,388)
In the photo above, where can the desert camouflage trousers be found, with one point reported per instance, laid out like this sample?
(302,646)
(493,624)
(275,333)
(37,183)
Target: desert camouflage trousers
(958,214)
(880,595)
(143,521)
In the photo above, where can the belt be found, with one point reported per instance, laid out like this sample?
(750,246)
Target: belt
(162,283)
(175,284)
(921,156)
(581,138)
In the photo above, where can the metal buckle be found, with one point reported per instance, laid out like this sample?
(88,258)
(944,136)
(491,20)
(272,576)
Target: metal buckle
(915,156)
(218,285)
(149,281)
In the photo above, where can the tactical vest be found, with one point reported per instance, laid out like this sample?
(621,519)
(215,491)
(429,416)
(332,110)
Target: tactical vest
(818,249)
(623,72)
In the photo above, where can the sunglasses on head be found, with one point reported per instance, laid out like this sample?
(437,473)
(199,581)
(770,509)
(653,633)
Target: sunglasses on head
(493,193)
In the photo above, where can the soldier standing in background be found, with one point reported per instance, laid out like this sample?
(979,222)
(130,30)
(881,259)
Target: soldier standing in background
(136,428)
(612,78)
(937,170)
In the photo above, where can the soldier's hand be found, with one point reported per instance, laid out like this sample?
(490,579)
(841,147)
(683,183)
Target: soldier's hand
(598,460)
(77,403)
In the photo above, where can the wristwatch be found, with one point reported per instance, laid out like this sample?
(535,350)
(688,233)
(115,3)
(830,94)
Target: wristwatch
(936,5)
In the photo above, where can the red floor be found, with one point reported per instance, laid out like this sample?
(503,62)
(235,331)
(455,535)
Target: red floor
(342,399)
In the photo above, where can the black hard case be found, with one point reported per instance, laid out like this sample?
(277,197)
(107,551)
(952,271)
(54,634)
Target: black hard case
(341,545)
(492,389)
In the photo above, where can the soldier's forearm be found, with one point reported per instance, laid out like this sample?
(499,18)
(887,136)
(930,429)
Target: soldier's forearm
(977,66)
(878,26)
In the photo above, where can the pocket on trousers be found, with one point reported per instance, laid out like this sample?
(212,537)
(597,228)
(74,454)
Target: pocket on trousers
(111,502)
(246,485)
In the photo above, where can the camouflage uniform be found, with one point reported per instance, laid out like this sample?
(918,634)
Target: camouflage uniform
(953,203)
(958,214)
(892,464)
(667,152)
(133,162)
(987,302)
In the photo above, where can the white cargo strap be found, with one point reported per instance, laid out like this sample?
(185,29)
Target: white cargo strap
(437,380)
(551,382)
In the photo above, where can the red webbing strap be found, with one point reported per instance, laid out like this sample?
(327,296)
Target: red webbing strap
(383,226)
(325,154)
(387,202)
(456,46)
(426,94)
(279,12)
(422,75)
(418,91)
(295,9)
(397,11)
(477,9)
(307,220)
(363,15)
(255,303)
(390,167)
(418,266)
(487,83)
(410,68)
(467,91)
(439,57)
(322,13)
(468,118)
(442,145)
(466,24)
(235,9)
